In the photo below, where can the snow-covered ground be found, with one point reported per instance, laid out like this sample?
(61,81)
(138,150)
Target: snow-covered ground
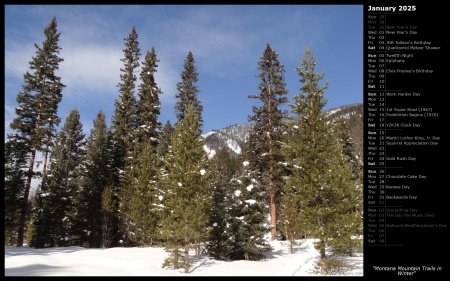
(147,261)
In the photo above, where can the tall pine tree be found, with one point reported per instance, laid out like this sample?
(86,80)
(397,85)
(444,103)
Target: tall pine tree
(266,136)
(124,119)
(350,146)
(164,142)
(124,122)
(186,196)
(139,210)
(37,117)
(136,190)
(15,174)
(248,222)
(96,177)
(289,207)
(222,169)
(322,177)
(188,92)
(351,227)
(59,195)
(148,106)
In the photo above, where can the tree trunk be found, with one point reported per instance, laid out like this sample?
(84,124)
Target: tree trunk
(273,209)
(273,213)
(291,246)
(25,200)
(186,258)
(44,168)
(175,258)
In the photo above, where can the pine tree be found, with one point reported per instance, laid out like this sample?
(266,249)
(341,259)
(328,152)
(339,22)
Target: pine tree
(267,133)
(139,211)
(322,176)
(350,149)
(164,142)
(222,168)
(124,119)
(186,196)
(146,208)
(248,217)
(188,92)
(97,176)
(58,196)
(107,215)
(290,226)
(15,167)
(352,218)
(51,90)
(124,122)
(128,189)
(37,111)
(137,218)
(148,107)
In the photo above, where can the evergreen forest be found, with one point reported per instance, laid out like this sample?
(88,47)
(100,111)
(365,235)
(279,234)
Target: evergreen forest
(139,182)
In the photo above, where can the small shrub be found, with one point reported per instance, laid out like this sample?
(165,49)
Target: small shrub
(331,266)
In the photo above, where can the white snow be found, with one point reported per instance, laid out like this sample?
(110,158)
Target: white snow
(233,145)
(210,152)
(209,134)
(250,201)
(147,261)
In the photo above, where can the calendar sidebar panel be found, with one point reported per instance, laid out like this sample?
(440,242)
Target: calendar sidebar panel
(405,141)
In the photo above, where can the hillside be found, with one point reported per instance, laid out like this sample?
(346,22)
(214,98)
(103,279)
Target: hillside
(233,137)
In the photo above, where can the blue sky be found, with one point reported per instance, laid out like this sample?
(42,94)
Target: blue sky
(227,42)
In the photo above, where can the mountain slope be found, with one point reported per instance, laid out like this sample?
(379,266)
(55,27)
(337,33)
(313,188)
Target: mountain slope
(234,137)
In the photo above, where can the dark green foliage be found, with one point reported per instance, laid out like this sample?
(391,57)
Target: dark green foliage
(51,90)
(124,119)
(43,87)
(137,215)
(96,178)
(186,196)
(107,216)
(352,117)
(124,122)
(59,195)
(351,225)
(148,106)
(255,152)
(350,147)
(352,222)
(37,117)
(267,134)
(188,92)
(222,168)
(248,221)
(139,210)
(290,226)
(322,178)
(15,167)
(137,218)
(164,142)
